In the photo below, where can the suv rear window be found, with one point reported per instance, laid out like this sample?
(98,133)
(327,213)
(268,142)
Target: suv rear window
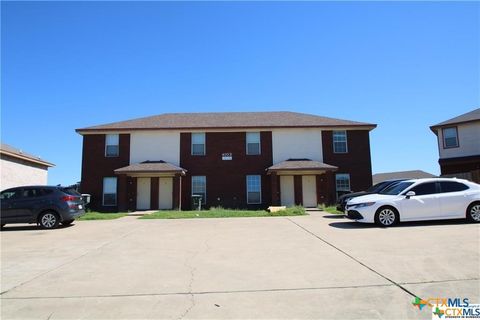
(70,191)
(451,186)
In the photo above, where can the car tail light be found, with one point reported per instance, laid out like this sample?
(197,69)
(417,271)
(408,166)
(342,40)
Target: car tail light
(68,198)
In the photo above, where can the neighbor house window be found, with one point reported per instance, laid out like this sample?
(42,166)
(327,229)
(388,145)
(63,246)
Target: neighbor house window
(253,143)
(110,191)
(254,189)
(199,187)
(198,144)
(450,137)
(342,183)
(340,141)
(111,145)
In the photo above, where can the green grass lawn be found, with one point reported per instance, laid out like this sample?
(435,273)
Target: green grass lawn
(101,216)
(223,213)
(331,209)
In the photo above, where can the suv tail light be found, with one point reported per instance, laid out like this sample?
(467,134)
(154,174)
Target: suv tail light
(68,198)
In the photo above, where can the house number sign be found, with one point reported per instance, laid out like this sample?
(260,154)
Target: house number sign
(227,156)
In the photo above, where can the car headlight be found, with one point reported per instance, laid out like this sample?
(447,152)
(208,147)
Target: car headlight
(365,204)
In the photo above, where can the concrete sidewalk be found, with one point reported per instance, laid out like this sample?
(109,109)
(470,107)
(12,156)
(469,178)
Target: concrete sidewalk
(317,266)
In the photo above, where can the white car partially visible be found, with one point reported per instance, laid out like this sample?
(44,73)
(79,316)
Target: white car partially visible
(417,200)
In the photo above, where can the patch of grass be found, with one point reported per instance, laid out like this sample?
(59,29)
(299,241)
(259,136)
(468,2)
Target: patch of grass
(101,216)
(329,209)
(223,213)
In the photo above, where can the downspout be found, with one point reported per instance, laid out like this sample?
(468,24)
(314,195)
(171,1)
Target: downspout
(180,195)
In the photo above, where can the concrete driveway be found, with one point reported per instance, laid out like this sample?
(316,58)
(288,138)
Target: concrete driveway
(317,266)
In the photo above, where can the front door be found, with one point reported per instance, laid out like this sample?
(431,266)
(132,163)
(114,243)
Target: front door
(425,204)
(287,191)
(165,193)
(143,193)
(309,190)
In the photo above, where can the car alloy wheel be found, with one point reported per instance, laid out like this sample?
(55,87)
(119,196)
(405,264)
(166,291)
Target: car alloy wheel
(475,213)
(48,220)
(386,217)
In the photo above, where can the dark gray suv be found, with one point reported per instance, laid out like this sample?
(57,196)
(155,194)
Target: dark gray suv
(46,206)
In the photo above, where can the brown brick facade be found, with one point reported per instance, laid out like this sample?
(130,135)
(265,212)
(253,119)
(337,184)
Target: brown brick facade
(226,179)
(95,166)
(356,162)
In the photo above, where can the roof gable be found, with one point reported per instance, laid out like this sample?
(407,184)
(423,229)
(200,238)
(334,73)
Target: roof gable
(473,115)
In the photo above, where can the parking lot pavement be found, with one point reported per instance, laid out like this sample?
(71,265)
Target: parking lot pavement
(317,266)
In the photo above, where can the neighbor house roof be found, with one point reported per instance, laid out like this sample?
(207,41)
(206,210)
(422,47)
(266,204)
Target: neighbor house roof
(464,118)
(151,167)
(412,174)
(300,164)
(11,151)
(226,120)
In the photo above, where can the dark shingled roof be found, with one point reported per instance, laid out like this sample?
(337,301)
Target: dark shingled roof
(18,153)
(227,120)
(413,174)
(466,117)
(301,164)
(151,166)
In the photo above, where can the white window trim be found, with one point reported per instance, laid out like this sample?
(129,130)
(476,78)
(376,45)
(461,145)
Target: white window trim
(349,182)
(118,145)
(191,189)
(346,141)
(259,144)
(116,192)
(204,143)
(246,180)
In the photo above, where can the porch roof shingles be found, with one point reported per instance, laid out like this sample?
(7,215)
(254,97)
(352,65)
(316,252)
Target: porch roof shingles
(301,164)
(215,120)
(151,167)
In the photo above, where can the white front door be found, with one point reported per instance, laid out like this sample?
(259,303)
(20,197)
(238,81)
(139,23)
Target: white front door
(287,191)
(424,205)
(309,190)
(143,193)
(165,193)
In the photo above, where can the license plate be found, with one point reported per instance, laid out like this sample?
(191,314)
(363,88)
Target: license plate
(80,206)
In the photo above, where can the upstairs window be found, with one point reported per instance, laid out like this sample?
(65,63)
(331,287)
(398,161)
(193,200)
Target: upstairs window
(199,187)
(110,191)
(198,144)
(340,141)
(342,183)
(254,189)
(111,145)
(450,138)
(253,143)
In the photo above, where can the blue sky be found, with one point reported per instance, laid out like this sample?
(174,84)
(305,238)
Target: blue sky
(402,65)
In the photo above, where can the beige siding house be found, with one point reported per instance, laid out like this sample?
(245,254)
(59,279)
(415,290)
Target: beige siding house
(18,168)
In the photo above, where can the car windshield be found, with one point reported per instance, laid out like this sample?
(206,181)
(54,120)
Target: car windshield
(396,188)
(377,187)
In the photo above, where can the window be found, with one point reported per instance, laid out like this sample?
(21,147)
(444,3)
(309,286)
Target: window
(340,141)
(450,138)
(111,145)
(198,144)
(10,194)
(254,189)
(450,186)
(342,183)
(110,191)
(425,188)
(253,143)
(199,187)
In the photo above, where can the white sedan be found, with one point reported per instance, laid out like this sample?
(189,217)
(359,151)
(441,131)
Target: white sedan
(416,200)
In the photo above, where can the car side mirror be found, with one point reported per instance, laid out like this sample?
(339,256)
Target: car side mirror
(410,194)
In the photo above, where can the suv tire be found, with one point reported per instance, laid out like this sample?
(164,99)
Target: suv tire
(49,220)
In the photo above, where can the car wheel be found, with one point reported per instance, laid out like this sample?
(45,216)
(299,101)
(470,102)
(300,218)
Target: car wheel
(48,220)
(67,222)
(473,212)
(386,216)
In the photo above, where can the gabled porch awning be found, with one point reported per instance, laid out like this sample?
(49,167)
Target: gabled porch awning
(300,166)
(151,168)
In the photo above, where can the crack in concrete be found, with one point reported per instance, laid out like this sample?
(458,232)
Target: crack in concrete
(239,291)
(72,260)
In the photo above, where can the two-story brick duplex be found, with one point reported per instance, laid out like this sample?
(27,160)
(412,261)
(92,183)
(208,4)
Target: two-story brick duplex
(232,159)
(459,145)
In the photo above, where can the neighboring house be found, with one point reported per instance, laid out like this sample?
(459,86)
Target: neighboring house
(459,146)
(19,168)
(233,160)
(412,174)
